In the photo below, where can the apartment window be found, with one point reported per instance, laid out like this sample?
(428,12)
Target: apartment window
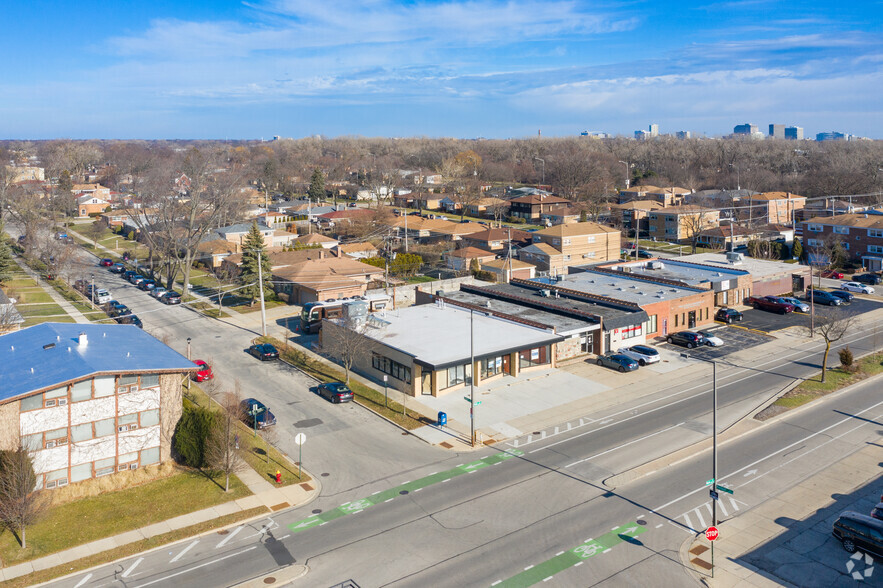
(81,391)
(654,217)
(567,241)
(150,380)
(127,384)
(845,245)
(57,397)
(56,479)
(591,239)
(127,422)
(128,461)
(81,432)
(104,427)
(81,472)
(149,456)
(104,386)
(32,402)
(55,438)
(32,442)
(875,232)
(813,242)
(150,418)
(815,228)
(104,467)
(566,258)
(840,230)
(871,249)
(652,228)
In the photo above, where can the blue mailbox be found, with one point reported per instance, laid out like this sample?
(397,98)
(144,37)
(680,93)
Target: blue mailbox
(442,419)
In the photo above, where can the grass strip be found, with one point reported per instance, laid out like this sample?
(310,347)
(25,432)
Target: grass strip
(368,397)
(835,379)
(132,549)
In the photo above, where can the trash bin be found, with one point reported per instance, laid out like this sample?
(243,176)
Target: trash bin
(442,419)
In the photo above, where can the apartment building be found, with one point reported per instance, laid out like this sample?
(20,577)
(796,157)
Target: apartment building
(681,223)
(556,248)
(860,234)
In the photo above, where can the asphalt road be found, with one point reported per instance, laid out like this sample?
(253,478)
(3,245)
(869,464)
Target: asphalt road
(487,517)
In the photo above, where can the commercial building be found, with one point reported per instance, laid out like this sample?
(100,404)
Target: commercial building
(89,400)
(794,133)
(768,277)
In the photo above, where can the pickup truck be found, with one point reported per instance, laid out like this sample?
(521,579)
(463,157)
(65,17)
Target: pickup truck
(770,304)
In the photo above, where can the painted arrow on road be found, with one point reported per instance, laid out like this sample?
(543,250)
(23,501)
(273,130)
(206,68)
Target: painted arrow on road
(749,473)
(358,506)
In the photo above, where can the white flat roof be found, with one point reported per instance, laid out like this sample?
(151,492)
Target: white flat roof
(439,336)
(758,268)
(619,287)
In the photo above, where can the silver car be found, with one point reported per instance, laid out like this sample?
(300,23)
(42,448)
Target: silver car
(799,305)
(857,287)
(643,354)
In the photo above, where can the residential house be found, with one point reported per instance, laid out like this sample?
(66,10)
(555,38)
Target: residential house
(418,200)
(671,196)
(324,279)
(278,258)
(533,206)
(860,234)
(488,207)
(425,350)
(89,204)
(89,400)
(634,214)
(452,231)
(214,251)
(313,239)
(729,236)
(10,318)
(461,259)
(556,248)
(17,174)
(506,269)
(361,250)
(238,232)
(276,220)
(771,207)
(681,223)
(497,239)
(562,216)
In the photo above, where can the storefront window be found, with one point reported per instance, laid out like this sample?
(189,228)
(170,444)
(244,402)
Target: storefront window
(491,366)
(456,375)
(532,357)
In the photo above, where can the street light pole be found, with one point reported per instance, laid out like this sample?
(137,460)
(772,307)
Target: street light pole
(627,169)
(261,290)
(713,434)
(543,161)
(92,292)
(188,359)
(472,375)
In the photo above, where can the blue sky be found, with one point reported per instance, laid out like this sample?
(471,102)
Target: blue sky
(480,68)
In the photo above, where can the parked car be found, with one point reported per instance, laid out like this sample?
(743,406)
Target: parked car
(688,339)
(204,373)
(255,410)
(823,297)
(111,304)
(105,262)
(157,292)
(336,392)
(170,297)
(117,268)
(147,284)
(873,279)
(770,304)
(643,354)
(640,254)
(137,279)
(114,308)
(710,339)
(618,361)
(857,287)
(877,511)
(858,532)
(129,319)
(832,275)
(846,297)
(728,315)
(263,351)
(100,296)
(799,305)
(128,274)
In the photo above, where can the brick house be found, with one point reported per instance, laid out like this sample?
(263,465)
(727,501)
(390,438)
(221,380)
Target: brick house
(533,206)
(89,400)
(461,259)
(556,248)
(861,236)
(775,208)
(680,223)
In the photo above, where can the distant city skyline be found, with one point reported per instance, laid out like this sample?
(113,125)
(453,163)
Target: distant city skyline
(487,68)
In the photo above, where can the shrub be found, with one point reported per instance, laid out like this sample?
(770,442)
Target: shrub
(131,236)
(516,220)
(191,434)
(846,358)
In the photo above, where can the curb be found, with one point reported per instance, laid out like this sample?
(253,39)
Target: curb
(280,577)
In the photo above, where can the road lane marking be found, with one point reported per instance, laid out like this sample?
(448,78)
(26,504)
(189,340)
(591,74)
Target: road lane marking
(573,557)
(208,563)
(232,534)
(83,581)
(625,445)
(183,551)
(132,567)
(409,487)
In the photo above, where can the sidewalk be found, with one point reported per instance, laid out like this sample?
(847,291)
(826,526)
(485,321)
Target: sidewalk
(264,494)
(56,297)
(787,541)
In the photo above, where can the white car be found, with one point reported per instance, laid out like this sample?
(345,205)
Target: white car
(102,296)
(643,354)
(710,339)
(857,287)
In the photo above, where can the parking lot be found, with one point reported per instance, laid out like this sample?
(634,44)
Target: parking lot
(734,338)
(768,322)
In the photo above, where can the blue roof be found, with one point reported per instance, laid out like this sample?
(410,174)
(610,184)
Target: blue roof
(28,365)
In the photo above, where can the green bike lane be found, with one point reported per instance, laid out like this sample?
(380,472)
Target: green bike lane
(574,557)
(357,506)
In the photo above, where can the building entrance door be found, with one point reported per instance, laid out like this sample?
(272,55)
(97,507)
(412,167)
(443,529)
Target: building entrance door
(691,319)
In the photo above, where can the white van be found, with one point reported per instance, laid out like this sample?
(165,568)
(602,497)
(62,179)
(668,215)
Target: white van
(102,296)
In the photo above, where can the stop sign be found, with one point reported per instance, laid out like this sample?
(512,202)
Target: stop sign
(711,533)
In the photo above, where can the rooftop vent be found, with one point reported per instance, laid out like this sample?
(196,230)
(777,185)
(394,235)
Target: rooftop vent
(49,346)
(82,340)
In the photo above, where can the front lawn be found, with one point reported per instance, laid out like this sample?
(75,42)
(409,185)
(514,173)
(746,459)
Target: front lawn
(111,513)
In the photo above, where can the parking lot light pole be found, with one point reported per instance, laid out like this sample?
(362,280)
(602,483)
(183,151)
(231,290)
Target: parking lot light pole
(92,293)
(188,359)
(385,392)
(713,433)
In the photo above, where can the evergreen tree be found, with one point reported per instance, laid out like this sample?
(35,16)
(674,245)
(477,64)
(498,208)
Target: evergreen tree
(317,185)
(797,249)
(7,264)
(252,248)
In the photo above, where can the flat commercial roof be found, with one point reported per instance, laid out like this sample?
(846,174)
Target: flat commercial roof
(438,336)
(50,354)
(758,268)
(681,271)
(562,324)
(619,287)
(611,317)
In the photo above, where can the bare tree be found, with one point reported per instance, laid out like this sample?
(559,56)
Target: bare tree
(222,451)
(346,339)
(20,503)
(832,324)
(694,222)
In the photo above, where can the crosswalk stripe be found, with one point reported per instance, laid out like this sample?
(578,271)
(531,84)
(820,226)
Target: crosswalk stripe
(720,505)
(734,503)
(688,521)
(701,520)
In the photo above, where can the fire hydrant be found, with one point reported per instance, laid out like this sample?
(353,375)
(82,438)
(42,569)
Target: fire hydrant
(278,477)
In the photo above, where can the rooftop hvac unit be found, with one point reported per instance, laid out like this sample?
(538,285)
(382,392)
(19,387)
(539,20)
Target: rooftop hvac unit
(545,293)
(734,257)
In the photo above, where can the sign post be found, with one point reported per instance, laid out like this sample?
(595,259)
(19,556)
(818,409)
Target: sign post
(711,533)
(299,440)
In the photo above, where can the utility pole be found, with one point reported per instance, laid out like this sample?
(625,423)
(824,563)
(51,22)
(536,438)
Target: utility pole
(406,232)
(261,289)
(472,376)
(509,255)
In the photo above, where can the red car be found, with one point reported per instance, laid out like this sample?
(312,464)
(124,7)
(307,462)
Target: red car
(832,274)
(105,262)
(204,373)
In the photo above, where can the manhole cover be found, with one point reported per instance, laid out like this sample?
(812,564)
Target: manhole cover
(317,510)
(325,475)
(270,580)
(223,532)
(642,522)
(403,492)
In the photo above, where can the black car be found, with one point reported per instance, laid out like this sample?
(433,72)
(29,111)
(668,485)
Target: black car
(858,532)
(117,268)
(728,315)
(264,351)
(111,304)
(147,284)
(872,279)
(336,392)
(129,273)
(170,297)
(119,310)
(843,295)
(823,297)
(688,339)
(617,361)
(255,413)
(129,319)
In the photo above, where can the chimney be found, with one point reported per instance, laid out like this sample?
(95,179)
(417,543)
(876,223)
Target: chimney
(82,340)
